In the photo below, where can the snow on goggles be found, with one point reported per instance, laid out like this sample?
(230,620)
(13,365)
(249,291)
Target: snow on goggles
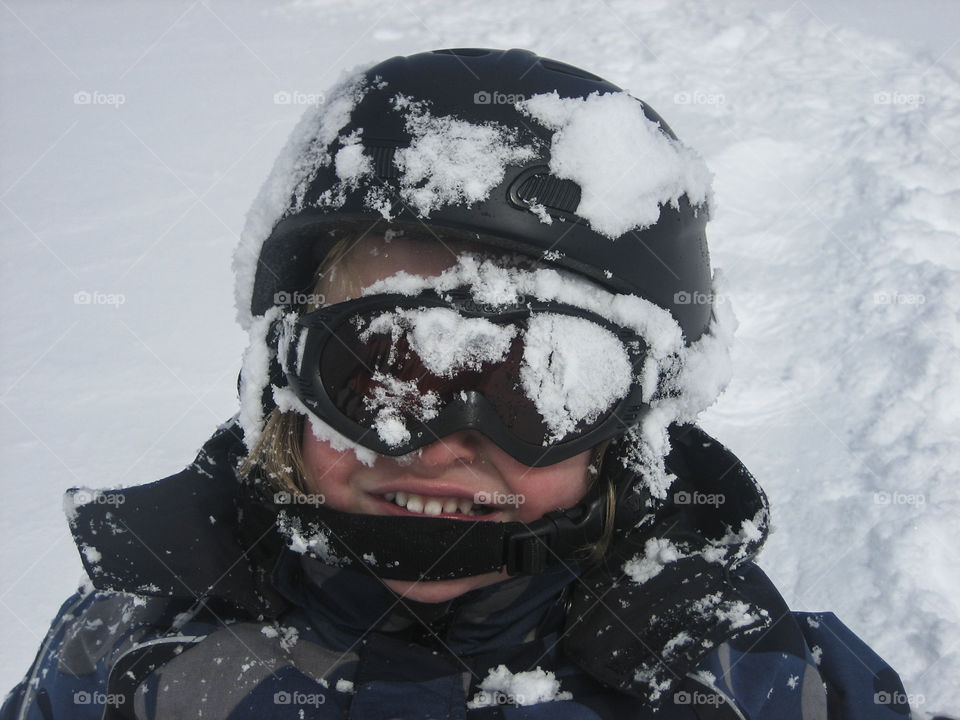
(542,380)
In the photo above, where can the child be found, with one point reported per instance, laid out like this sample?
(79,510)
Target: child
(464,479)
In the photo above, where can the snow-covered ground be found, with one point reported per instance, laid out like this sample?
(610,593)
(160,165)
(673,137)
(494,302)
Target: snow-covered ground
(134,137)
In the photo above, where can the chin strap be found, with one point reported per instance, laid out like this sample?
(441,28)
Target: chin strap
(414,548)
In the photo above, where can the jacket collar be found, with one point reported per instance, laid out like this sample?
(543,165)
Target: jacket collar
(178,537)
(669,592)
(505,613)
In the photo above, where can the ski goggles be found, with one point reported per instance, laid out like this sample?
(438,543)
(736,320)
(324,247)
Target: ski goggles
(542,380)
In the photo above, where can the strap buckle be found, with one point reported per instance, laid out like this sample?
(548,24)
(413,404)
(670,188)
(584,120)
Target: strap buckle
(557,535)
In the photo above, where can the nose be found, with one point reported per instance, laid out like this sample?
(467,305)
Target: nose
(463,446)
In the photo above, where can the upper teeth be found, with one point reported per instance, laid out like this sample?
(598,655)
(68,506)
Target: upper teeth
(434,505)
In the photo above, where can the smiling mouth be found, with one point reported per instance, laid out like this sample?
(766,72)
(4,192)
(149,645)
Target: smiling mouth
(463,508)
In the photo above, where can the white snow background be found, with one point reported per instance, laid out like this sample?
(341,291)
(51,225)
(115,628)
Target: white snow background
(135,136)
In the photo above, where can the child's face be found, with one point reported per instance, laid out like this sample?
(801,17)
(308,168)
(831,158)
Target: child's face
(460,466)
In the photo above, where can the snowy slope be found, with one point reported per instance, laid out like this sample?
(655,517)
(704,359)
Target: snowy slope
(132,147)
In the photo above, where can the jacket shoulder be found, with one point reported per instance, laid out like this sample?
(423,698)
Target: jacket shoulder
(801,666)
(68,677)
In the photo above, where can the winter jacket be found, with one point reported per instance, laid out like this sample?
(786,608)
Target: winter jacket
(195,610)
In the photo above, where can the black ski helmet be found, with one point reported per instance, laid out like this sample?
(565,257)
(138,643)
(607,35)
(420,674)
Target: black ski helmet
(666,263)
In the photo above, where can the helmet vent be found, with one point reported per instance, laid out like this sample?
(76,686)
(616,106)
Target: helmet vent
(383,165)
(545,189)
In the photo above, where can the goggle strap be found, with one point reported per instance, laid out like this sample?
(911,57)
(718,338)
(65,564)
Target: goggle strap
(409,548)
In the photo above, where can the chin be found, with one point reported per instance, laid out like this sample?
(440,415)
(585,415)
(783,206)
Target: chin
(437,591)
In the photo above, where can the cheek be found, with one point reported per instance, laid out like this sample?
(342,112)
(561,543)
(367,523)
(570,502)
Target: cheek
(328,471)
(556,486)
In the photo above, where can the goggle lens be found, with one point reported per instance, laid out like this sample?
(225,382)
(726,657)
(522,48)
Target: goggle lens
(363,376)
